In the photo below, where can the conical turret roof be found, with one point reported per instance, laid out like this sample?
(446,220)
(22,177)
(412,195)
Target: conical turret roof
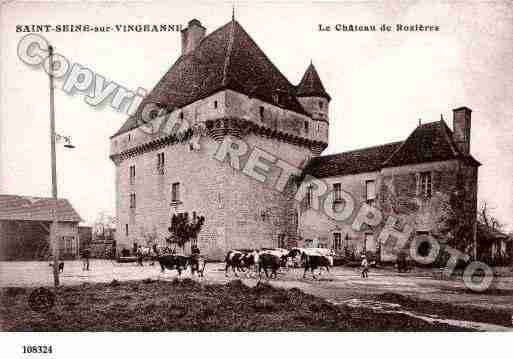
(311,85)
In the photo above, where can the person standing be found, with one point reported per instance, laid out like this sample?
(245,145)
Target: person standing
(365,267)
(86,253)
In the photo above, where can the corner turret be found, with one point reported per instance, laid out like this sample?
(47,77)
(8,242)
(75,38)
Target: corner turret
(311,94)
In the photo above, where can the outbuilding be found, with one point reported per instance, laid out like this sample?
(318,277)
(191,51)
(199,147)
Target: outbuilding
(25,224)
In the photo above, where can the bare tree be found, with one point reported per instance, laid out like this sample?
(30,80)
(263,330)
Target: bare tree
(485,217)
(104,225)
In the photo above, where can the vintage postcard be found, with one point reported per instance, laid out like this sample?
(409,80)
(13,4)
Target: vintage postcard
(255,166)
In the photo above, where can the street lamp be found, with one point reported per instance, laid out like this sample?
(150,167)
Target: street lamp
(54,137)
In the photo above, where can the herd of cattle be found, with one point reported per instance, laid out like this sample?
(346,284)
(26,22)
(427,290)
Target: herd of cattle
(254,262)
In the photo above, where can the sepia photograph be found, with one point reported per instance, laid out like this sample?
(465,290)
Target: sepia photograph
(256,167)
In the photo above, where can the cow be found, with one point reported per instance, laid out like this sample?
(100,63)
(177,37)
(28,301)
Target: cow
(250,261)
(313,258)
(269,260)
(198,264)
(235,259)
(174,261)
(313,262)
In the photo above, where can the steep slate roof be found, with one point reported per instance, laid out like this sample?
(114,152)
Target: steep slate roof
(25,208)
(358,161)
(311,85)
(228,58)
(427,143)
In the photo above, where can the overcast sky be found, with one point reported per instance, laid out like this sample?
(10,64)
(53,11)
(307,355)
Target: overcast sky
(380,83)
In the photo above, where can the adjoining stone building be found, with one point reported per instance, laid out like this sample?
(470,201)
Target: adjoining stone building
(25,227)
(427,182)
(224,85)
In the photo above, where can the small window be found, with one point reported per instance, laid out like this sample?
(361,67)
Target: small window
(337,241)
(309,197)
(132,174)
(320,104)
(337,189)
(276,98)
(306,127)
(261,112)
(175,192)
(126,229)
(129,137)
(132,200)
(370,190)
(215,104)
(160,163)
(181,115)
(426,184)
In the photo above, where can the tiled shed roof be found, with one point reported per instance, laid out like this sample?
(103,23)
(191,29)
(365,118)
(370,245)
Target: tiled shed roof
(26,208)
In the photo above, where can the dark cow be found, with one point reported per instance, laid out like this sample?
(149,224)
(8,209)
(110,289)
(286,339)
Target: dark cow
(313,262)
(235,259)
(268,261)
(174,261)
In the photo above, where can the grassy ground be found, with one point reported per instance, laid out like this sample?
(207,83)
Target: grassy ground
(187,305)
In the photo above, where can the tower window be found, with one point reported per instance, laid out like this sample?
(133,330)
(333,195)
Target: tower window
(126,229)
(306,127)
(320,104)
(215,104)
(160,162)
(309,196)
(132,174)
(261,112)
(175,192)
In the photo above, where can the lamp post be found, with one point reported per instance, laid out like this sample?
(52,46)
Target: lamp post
(54,137)
(53,229)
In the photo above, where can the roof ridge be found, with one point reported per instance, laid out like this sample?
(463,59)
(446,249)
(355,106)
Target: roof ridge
(404,143)
(449,138)
(360,149)
(265,55)
(228,52)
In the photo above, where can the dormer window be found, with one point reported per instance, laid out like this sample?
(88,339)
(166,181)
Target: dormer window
(276,98)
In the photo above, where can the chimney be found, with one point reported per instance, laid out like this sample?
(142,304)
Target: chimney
(191,36)
(461,128)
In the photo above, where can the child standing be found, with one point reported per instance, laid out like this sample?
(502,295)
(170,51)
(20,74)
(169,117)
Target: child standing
(365,267)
